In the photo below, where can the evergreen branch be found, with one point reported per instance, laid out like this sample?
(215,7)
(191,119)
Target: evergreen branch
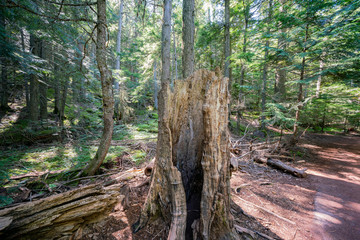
(87,41)
(61,6)
(92,9)
(14,4)
(72,4)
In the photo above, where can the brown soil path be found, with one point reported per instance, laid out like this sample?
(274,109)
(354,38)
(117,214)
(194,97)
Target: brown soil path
(323,206)
(336,174)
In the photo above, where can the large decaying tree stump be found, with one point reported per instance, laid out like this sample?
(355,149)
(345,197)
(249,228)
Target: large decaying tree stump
(190,185)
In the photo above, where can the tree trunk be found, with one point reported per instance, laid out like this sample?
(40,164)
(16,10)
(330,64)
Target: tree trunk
(188,38)
(56,84)
(265,69)
(43,85)
(323,119)
(82,89)
(43,100)
(227,50)
(294,137)
(117,63)
(26,79)
(155,87)
(280,80)
(65,86)
(56,98)
(280,74)
(4,94)
(241,98)
(74,86)
(318,83)
(107,93)
(34,82)
(175,75)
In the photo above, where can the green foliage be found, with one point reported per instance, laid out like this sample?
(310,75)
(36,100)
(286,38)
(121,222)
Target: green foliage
(138,156)
(151,126)
(338,105)
(24,132)
(5,200)
(297,153)
(279,115)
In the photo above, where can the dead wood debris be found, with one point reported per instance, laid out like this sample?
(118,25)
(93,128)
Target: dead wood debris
(282,166)
(62,215)
(252,233)
(265,210)
(263,152)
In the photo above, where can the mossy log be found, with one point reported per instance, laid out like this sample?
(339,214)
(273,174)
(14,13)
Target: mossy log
(59,215)
(190,185)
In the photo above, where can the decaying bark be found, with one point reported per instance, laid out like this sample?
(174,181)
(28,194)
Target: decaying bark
(59,215)
(282,166)
(191,179)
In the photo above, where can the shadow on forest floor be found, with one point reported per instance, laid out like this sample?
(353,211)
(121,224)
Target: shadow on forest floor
(325,205)
(118,225)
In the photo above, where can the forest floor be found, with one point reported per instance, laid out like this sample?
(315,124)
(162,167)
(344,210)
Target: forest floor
(324,205)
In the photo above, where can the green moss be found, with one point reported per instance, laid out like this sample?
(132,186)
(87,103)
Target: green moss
(150,126)
(138,156)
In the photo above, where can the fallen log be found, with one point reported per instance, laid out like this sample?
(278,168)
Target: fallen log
(59,215)
(279,156)
(281,166)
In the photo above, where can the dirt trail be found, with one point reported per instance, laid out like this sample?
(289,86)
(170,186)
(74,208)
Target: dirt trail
(336,174)
(323,206)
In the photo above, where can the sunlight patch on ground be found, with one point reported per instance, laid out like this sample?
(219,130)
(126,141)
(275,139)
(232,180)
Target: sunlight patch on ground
(329,203)
(325,217)
(333,177)
(355,206)
(310,146)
